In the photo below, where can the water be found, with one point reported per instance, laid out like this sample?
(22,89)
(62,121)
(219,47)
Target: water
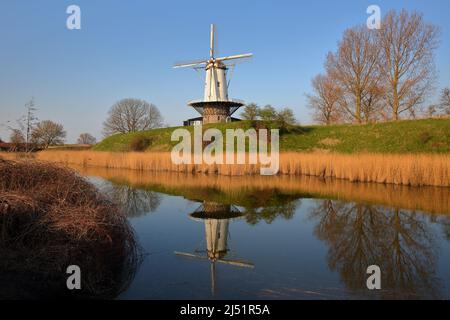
(281,238)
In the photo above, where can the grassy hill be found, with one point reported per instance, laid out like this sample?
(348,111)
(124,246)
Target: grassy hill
(411,136)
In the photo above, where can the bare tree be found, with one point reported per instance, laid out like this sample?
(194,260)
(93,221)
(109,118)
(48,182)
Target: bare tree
(30,120)
(373,103)
(25,125)
(407,60)
(444,103)
(431,111)
(47,133)
(131,115)
(325,101)
(16,137)
(86,138)
(355,68)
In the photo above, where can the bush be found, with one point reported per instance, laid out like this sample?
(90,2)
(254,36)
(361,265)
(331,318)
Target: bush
(51,218)
(425,137)
(140,143)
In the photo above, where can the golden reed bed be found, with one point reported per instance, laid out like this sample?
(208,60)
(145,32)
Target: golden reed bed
(429,199)
(408,169)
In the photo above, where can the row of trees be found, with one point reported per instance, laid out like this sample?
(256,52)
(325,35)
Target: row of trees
(44,134)
(127,115)
(30,133)
(442,107)
(47,133)
(269,114)
(375,75)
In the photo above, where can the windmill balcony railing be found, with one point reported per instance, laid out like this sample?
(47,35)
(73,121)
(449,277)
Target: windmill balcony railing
(238,101)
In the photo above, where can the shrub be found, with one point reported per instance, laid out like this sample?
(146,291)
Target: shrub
(140,143)
(425,137)
(51,218)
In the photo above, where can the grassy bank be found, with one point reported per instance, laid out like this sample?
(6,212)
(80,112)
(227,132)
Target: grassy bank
(407,169)
(412,136)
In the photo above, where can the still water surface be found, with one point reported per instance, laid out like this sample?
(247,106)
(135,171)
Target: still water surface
(281,237)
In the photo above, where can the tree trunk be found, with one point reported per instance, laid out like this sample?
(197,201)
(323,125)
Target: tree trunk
(395,103)
(358,108)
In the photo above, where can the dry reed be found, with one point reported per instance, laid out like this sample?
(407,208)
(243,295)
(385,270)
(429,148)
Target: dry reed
(405,169)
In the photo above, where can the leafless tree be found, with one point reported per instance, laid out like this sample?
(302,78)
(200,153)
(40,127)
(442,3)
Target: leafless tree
(373,103)
(86,138)
(355,68)
(431,111)
(407,60)
(131,115)
(16,136)
(48,133)
(444,104)
(25,125)
(325,101)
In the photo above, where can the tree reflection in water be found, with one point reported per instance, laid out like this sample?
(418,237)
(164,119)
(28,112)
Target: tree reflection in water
(446,228)
(268,204)
(134,201)
(401,243)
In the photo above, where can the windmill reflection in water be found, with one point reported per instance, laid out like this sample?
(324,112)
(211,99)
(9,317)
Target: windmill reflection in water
(216,218)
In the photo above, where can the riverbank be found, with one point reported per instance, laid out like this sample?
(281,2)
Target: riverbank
(397,169)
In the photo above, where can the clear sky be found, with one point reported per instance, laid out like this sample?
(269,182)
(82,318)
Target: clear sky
(127,48)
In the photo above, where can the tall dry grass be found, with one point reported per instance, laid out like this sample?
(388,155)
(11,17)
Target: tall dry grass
(405,169)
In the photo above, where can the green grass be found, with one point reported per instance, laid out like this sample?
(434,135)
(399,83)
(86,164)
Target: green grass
(409,136)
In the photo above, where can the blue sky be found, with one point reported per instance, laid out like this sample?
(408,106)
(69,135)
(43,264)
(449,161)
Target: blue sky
(127,48)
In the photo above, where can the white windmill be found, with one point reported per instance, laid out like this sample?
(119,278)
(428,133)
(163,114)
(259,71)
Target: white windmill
(216,106)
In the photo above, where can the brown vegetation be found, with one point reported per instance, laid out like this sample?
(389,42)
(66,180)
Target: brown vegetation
(326,100)
(377,74)
(407,169)
(51,218)
(48,133)
(428,199)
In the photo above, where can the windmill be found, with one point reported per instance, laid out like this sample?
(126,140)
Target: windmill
(216,106)
(216,218)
